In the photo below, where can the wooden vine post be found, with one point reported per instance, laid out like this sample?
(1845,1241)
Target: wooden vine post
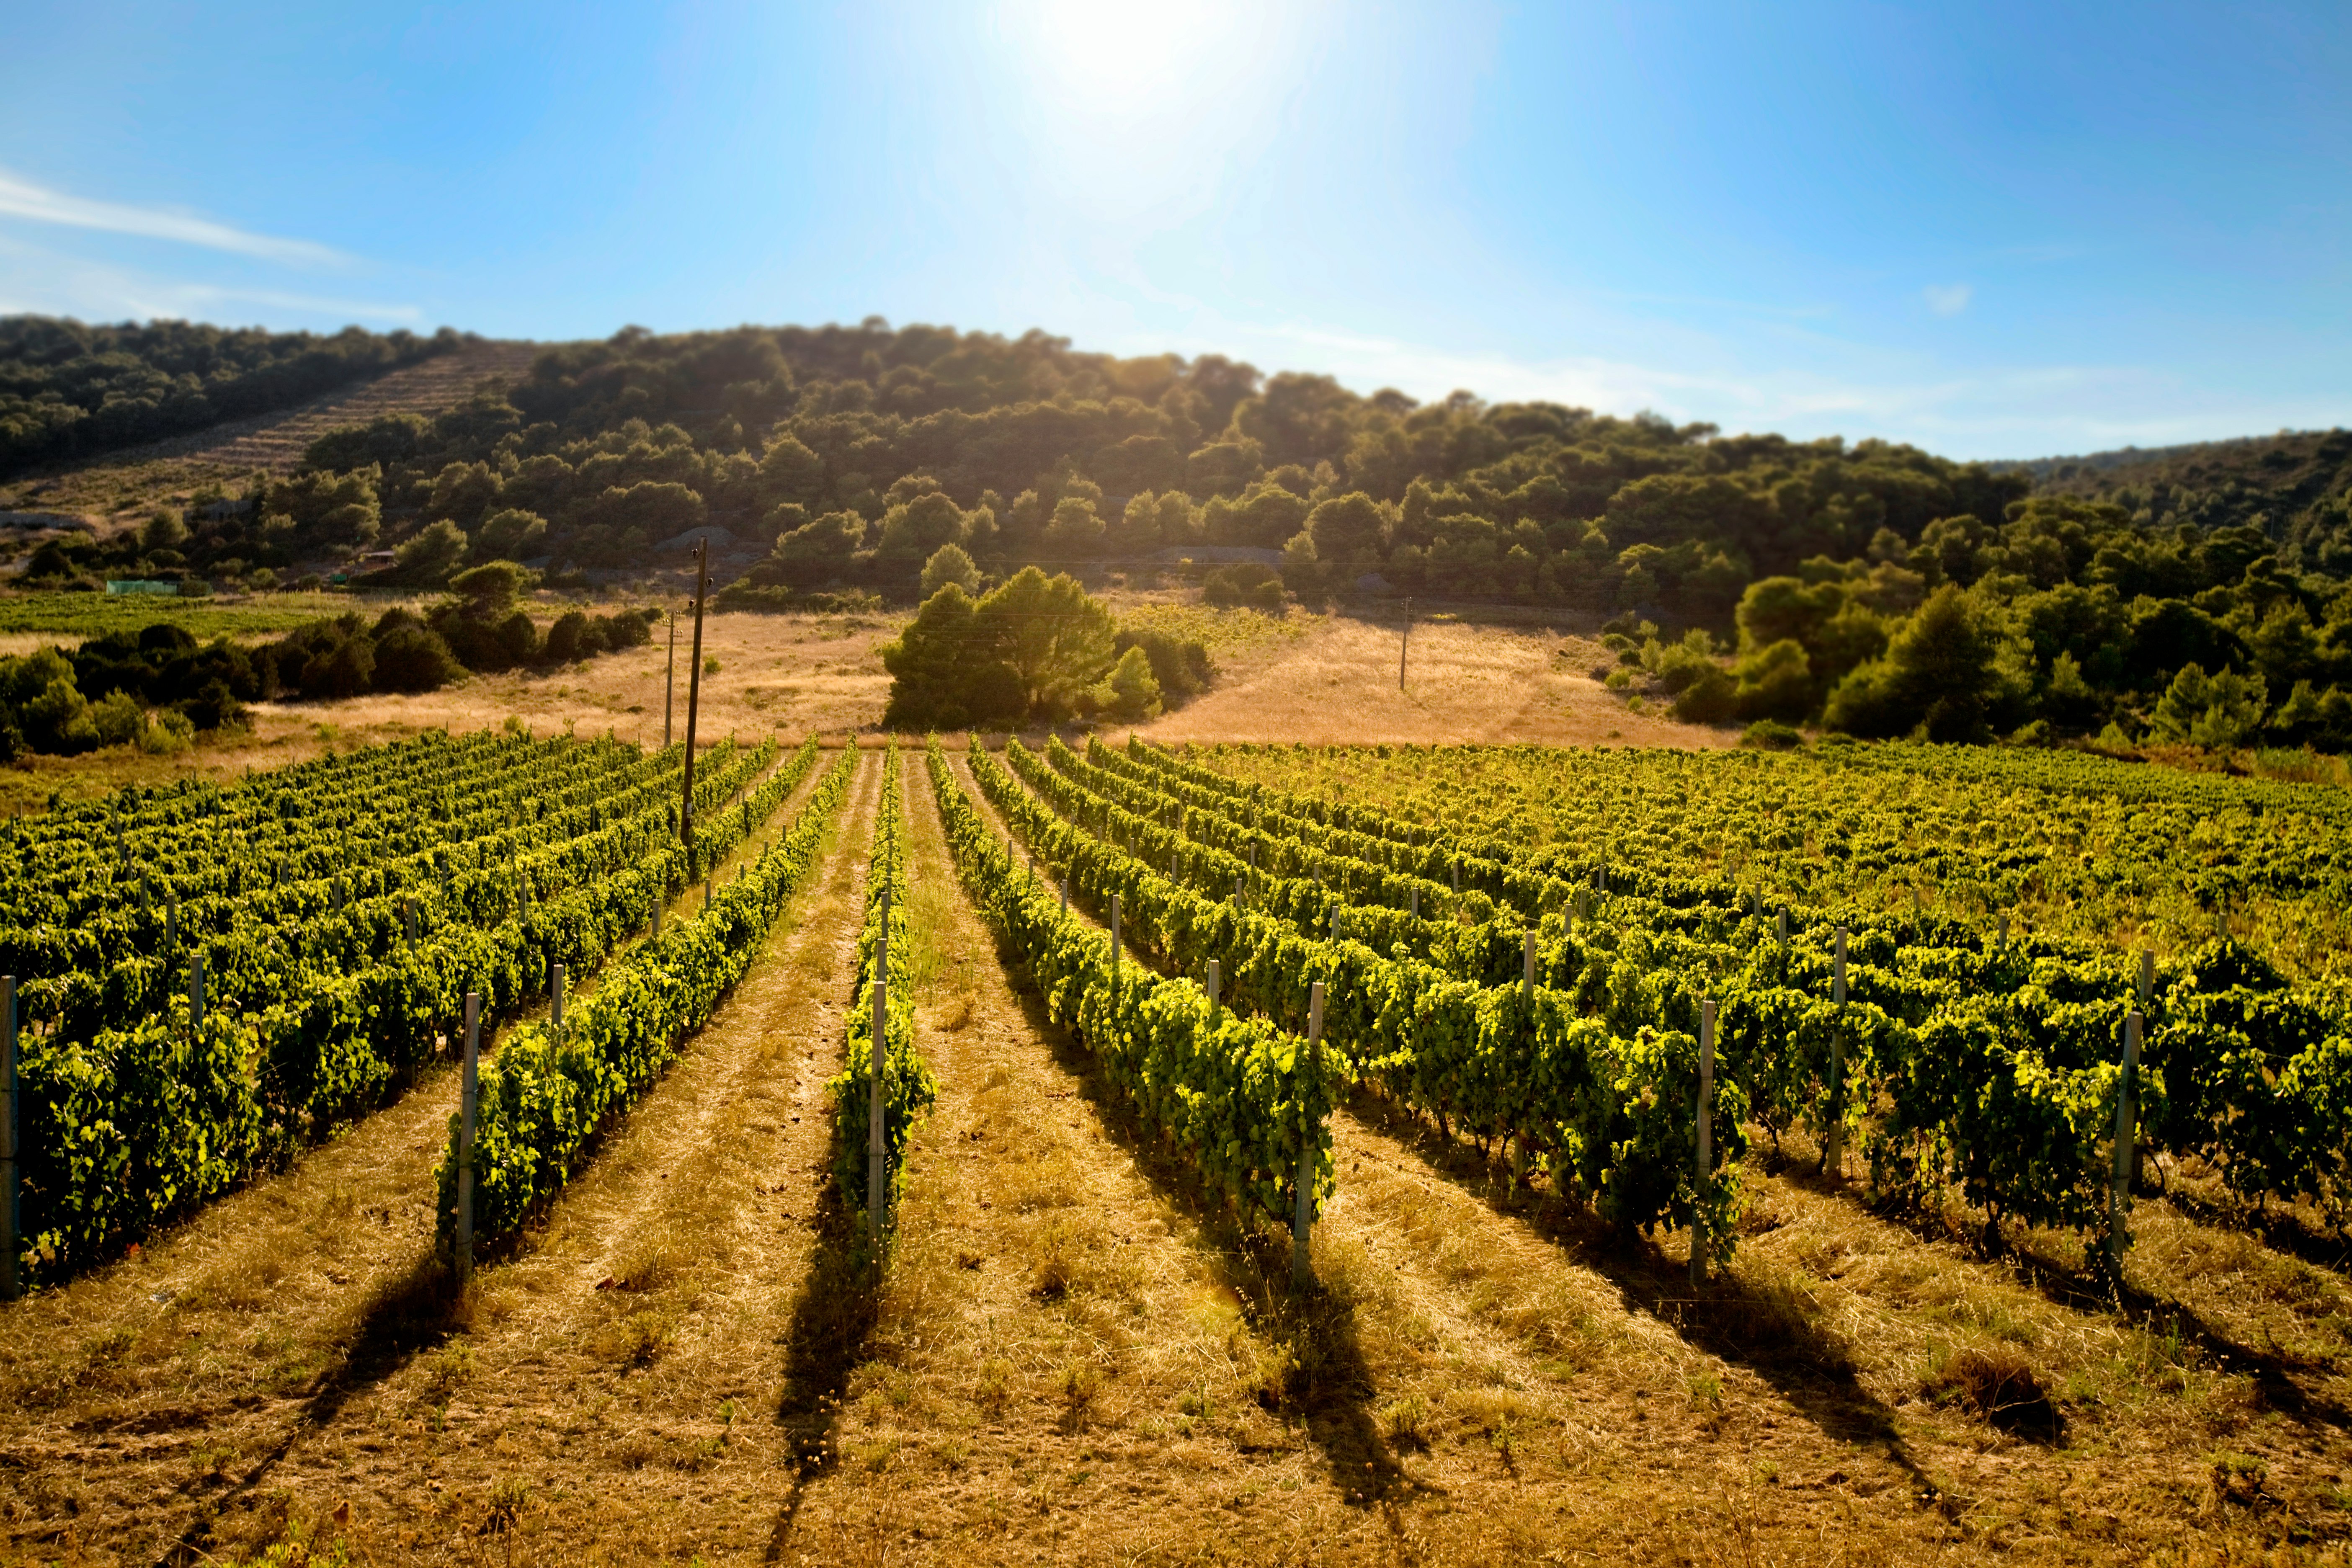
(1114,949)
(1833,1145)
(555,1005)
(1214,978)
(2127,1145)
(1705,1167)
(467,1086)
(1303,1215)
(694,694)
(11,1225)
(877,1052)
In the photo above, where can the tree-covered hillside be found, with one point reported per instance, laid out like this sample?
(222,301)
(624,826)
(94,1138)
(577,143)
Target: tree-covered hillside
(1878,588)
(2292,486)
(67,390)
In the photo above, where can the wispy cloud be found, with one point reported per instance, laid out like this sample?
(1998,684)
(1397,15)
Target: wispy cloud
(45,282)
(20,197)
(1948,299)
(1996,412)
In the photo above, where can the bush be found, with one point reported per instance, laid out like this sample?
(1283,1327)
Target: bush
(1244,585)
(1182,668)
(574,637)
(1772,735)
(412,657)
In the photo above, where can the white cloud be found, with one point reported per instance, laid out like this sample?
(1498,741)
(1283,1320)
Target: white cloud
(39,282)
(21,198)
(1998,412)
(1948,299)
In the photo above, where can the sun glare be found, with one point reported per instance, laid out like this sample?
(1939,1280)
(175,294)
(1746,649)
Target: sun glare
(1137,56)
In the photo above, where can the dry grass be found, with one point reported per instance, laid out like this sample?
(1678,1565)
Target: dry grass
(1076,1356)
(1337,685)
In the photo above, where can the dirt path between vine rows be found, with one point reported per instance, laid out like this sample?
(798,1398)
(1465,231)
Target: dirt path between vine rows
(601,1389)
(1840,1396)
(136,1398)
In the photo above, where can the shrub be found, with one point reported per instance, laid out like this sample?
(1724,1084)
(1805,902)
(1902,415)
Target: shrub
(1182,668)
(574,637)
(412,657)
(1245,585)
(1772,735)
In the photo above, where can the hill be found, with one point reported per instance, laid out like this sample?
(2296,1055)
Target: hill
(2290,486)
(70,390)
(2193,597)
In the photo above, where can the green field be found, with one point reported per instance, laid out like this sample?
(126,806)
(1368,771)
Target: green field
(84,616)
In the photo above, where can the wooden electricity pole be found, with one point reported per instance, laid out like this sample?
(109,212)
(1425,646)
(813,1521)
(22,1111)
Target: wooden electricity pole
(1404,641)
(694,688)
(670,684)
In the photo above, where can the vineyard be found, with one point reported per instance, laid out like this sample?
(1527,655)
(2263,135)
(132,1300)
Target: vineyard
(1442,1154)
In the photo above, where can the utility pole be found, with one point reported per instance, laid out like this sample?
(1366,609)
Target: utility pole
(694,687)
(669,687)
(1404,641)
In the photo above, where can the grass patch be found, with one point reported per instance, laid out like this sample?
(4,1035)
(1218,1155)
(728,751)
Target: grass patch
(84,616)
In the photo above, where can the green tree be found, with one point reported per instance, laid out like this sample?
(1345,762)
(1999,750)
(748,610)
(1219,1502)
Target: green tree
(510,535)
(1055,640)
(1951,672)
(164,531)
(932,664)
(2221,711)
(949,563)
(434,554)
(1134,691)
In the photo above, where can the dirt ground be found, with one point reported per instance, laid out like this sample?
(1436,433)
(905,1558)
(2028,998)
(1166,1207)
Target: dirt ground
(1325,680)
(1078,1356)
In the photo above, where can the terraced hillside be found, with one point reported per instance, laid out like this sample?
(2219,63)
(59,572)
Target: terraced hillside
(275,441)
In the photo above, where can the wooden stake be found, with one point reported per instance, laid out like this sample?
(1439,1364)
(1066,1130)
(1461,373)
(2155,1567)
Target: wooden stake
(877,1153)
(694,692)
(1114,946)
(11,1220)
(2127,1145)
(1214,979)
(196,993)
(555,1005)
(466,1101)
(1705,1135)
(1302,1217)
(1834,1146)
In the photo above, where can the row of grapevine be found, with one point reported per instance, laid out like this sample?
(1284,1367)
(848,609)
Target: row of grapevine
(1613,1116)
(305,824)
(140,1125)
(1992,1067)
(543,1101)
(252,947)
(1246,1103)
(2085,841)
(909,1089)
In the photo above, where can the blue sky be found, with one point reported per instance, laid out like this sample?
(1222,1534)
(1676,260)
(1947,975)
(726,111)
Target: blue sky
(1995,230)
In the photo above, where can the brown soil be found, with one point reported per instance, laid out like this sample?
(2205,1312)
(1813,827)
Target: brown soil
(138,1401)
(1464,682)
